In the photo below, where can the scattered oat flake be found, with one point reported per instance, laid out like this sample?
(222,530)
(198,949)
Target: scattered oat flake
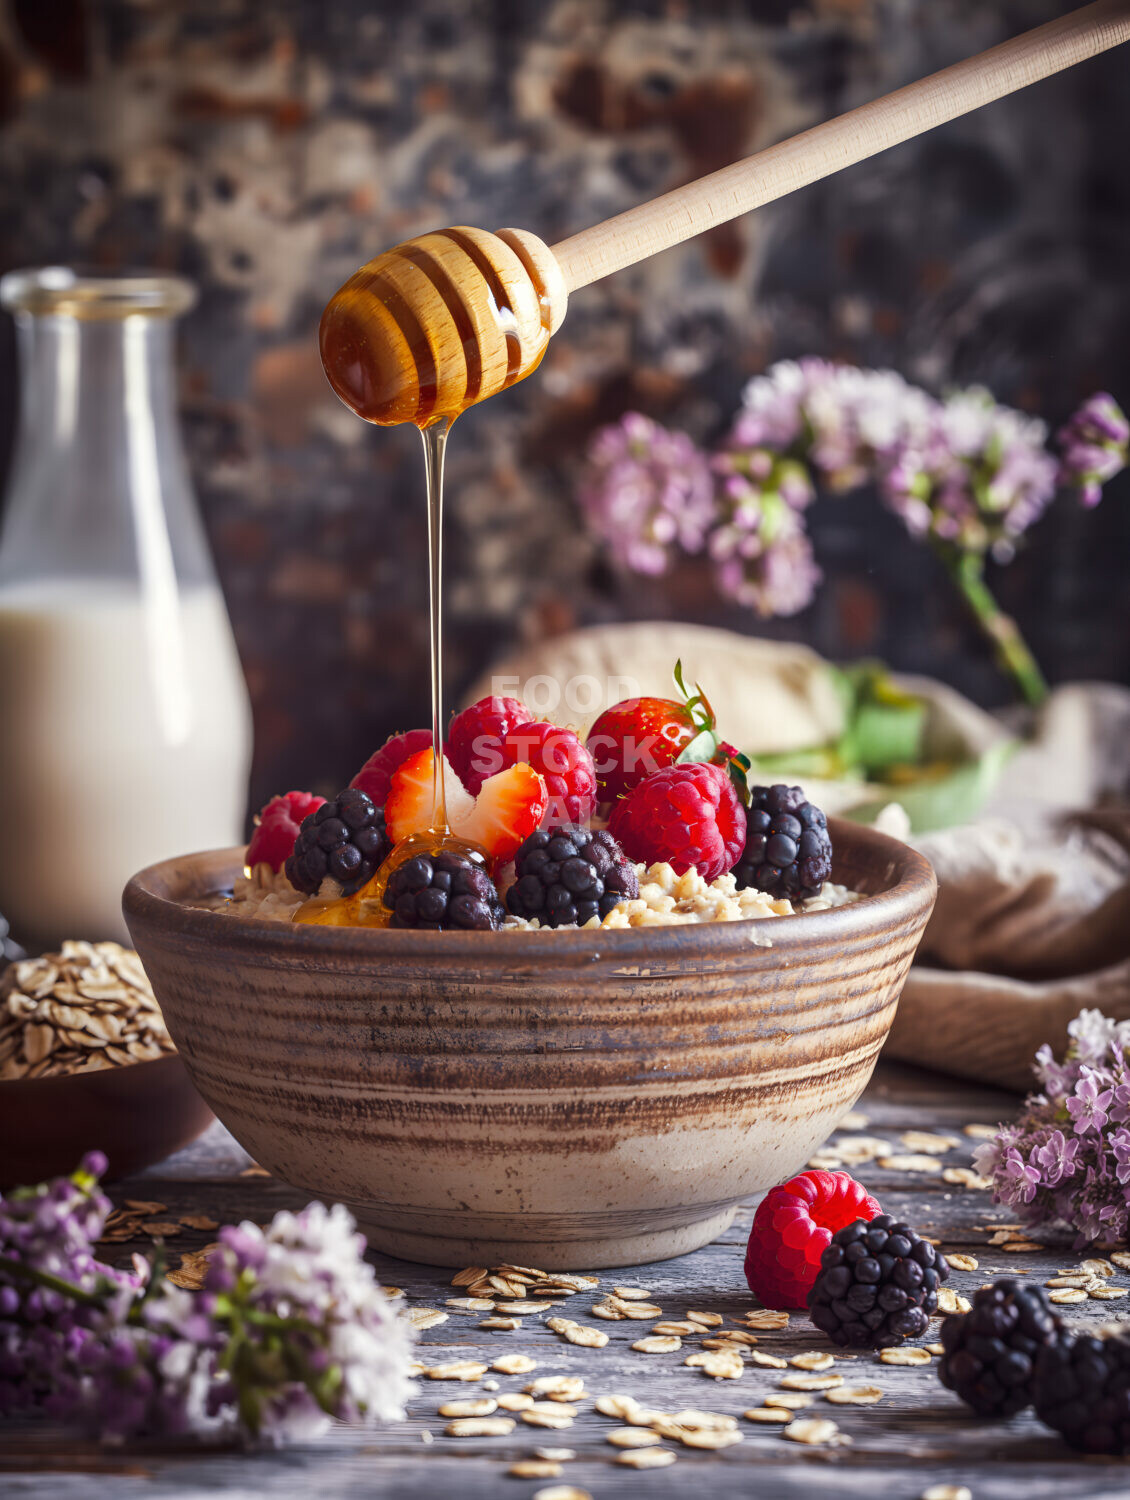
(559,1419)
(632,1437)
(854,1395)
(938,1349)
(911,1163)
(561,1492)
(646,1458)
(470,1304)
(520,1309)
(631,1293)
(768,1414)
(199,1221)
(468,1276)
(966,1177)
(1121,1258)
(478,1406)
(677,1328)
(705,1319)
(815,1360)
(765,1318)
(575,1333)
(958,1262)
(555,1406)
(393,1291)
(161,1228)
(1098,1267)
(812,1430)
(860,1149)
(555,1455)
(927,1142)
(810,1382)
(514,1364)
(515,1401)
(789,1400)
(426,1317)
(725,1364)
(855,1119)
(705,1421)
(710,1438)
(1081,1281)
(457,1369)
(981,1132)
(1018,1247)
(947,1492)
(480,1427)
(570,1387)
(657,1344)
(1106,1293)
(616,1406)
(507,1325)
(535,1468)
(903,1354)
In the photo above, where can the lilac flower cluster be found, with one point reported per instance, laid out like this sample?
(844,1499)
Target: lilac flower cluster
(964,472)
(1067,1158)
(647,492)
(290,1330)
(1095,445)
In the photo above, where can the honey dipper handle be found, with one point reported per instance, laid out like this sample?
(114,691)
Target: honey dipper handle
(770,174)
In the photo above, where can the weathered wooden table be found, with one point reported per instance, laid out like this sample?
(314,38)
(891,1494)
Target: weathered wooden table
(919,1434)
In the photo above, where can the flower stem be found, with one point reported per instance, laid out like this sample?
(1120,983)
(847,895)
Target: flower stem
(967,569)
(45,1279)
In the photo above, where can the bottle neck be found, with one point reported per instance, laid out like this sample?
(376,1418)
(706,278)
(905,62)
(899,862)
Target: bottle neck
(99,484)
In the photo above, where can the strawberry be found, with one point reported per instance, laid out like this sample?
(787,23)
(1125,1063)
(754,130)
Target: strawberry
(639,736)
(689,815)
(374,776)
(276,828)
(474,741)
(510,805)
(562,762)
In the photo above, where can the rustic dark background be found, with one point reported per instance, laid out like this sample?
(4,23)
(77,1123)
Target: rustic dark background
(268,148)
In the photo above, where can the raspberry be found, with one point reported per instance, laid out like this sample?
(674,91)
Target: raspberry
(991,1352)
(792,1228)
(877,1284)
(276,828)
(562,762)
(375,775)
(566,877)
(686,816)
(474,741)
(788,851)
(441,892)
(345,839)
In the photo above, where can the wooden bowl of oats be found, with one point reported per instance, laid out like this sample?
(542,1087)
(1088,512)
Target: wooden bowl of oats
(86,1061)
(565,1099)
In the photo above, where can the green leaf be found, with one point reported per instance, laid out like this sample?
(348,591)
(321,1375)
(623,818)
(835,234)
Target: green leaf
(704,746)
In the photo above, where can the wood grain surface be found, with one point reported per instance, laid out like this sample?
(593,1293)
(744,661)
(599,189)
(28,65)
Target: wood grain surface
(917,1436)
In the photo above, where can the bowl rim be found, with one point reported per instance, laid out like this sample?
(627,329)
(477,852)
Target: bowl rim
(908,900)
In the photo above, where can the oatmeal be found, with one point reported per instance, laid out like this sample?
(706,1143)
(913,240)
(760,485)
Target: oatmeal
(665,900)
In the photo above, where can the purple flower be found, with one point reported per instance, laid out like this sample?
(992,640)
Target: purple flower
(762,554)
(1095,445)
(646,492)
(1120,1149)
(1018,1178)
(1056,1158)
(1089,1104)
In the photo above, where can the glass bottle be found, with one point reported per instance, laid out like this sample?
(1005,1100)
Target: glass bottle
(126,731)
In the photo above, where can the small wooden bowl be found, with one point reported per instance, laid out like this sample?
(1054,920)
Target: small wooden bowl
(559,1099)
(137,1115)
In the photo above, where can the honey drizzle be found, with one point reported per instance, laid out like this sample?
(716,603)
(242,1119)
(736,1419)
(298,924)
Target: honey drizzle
(435,445)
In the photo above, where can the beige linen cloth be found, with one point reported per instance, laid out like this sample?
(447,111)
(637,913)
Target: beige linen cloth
(1033,916)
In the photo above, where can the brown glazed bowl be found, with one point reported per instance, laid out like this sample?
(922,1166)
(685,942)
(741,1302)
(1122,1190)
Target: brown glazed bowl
(137,1115)
(559,1099)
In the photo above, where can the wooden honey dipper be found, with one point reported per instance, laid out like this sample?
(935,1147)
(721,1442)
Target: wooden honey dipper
(445,320)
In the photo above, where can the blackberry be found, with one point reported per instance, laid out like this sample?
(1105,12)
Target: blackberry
(878,1284)
(1081,1388)
(441,891)
(990,1353)
(568,875)
(345,839)
(788,850)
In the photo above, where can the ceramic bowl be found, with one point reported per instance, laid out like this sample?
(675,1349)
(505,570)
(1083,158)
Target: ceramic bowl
(137,1115)
(562,1099)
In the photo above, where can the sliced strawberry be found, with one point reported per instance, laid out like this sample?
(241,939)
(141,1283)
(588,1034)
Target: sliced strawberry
(409,806)
(507,810)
